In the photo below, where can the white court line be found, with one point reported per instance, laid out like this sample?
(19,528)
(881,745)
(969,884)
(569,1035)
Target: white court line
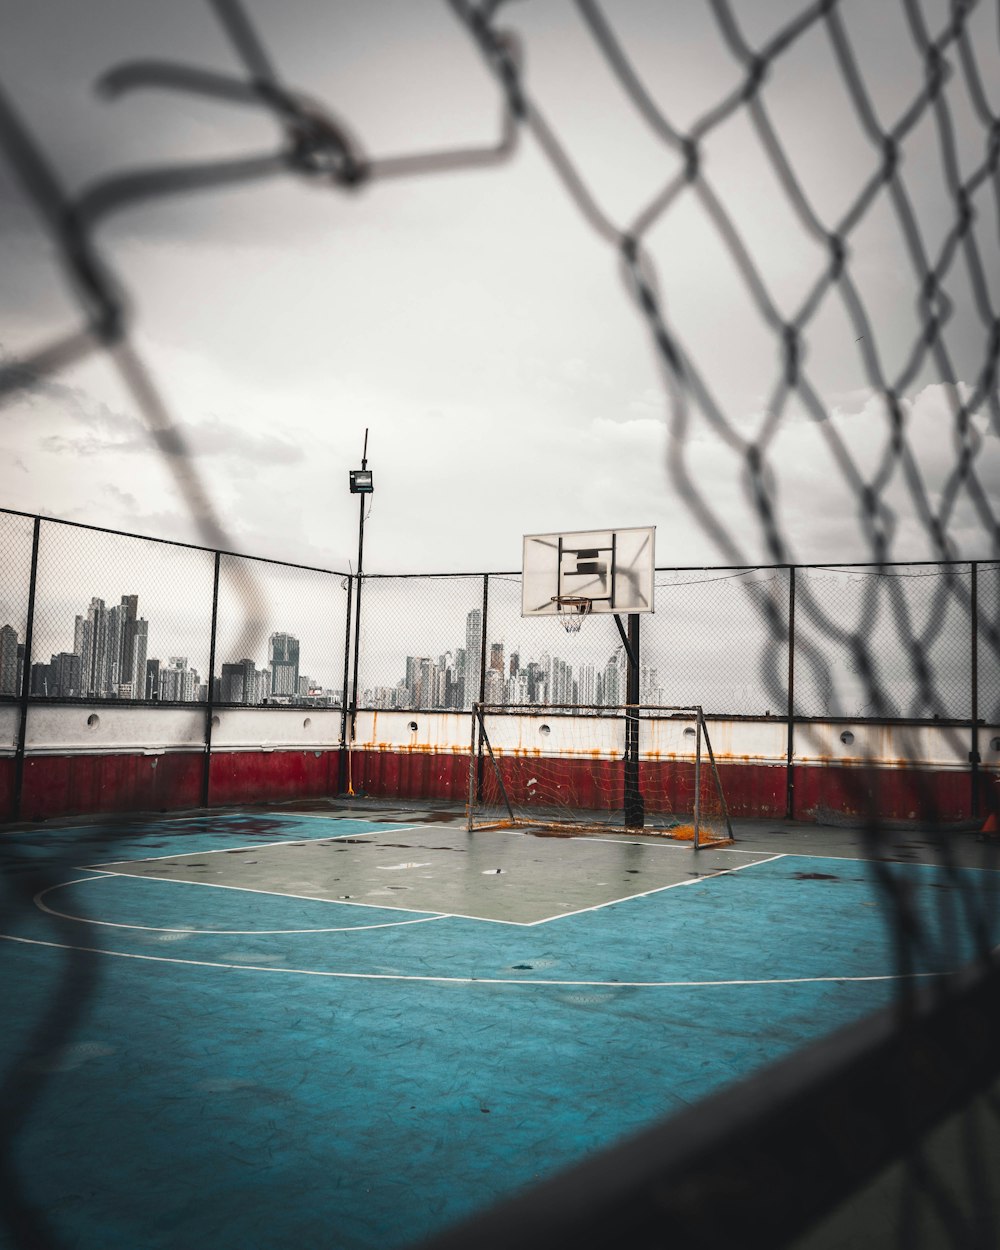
(250,889)
(148,928)
(315,898)
(441,980)
(627,898)
(453,915)
(902,863)
(254,846)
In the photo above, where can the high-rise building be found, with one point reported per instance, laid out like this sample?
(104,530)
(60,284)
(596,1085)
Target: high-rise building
(536,682)
(562,682)
(231,684)
(65,675)
(587,684)
(178,683)
(496,656)
(613,687)
(284,661)
(137,664)
(473,652)
(152,679)
(517,688)
(650,690)
(90,642)
(39,680)
(496,686)
(9,661)
(126,658)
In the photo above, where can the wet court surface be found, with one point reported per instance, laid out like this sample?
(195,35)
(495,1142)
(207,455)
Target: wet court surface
(270,1063)
(513,877)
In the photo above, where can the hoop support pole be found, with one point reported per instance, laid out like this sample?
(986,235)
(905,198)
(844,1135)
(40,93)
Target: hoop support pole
(697,781)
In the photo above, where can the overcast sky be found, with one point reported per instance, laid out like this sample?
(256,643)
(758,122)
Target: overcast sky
(475,321)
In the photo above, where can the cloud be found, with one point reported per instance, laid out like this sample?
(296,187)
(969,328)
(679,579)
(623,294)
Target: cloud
(109,432)
(122,497)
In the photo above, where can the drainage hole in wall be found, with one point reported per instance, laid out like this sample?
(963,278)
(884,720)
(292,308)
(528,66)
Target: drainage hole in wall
(847,737)
(413,726)
(690,731)
(307,722)
(216,722)
(93,720)
(995,744)
(544,729)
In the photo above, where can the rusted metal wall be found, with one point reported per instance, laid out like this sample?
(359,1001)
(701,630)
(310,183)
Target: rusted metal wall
(142,759)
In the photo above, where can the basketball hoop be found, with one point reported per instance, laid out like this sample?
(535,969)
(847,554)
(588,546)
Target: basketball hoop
(572,609)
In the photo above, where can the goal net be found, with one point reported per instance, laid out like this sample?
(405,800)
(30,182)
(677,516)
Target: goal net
(591,769)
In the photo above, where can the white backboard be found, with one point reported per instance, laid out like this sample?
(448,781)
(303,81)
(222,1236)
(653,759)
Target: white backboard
(613,568)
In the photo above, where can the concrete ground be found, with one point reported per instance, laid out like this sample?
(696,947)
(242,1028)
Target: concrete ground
(338,1025)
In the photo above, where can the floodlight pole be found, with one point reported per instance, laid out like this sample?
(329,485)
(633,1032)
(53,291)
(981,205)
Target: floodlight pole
(357,600)
(635,808)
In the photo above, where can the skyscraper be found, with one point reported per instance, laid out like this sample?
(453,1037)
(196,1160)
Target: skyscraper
(284,660)
(90,640)
(587,684)
(140,645)
(473,650)
(128,612)
(8,660)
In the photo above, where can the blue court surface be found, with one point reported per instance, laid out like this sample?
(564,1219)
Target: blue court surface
(324,1031)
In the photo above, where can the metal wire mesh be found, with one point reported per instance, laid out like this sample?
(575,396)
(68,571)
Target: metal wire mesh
(988,642)
(290,650)
(534,660)
(420,642)
(114,613)
(917,656)
(707,625)
(15,570)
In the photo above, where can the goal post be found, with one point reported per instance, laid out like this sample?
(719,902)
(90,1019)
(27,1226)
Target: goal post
(572,768)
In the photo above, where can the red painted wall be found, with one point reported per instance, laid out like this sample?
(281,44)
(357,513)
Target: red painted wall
(893,793)
(6,788)
(76,785)
(87,784)
(271,776)
(411,775)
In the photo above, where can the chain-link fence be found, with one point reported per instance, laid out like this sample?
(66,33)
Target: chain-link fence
(16,537)
(122,617)
(917,660)
(420,642)
(130,619)
(707,621)
(988,642)
(291,648)
(119,617)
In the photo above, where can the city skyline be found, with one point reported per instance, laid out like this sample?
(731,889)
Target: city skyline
(444,682)
(109,660)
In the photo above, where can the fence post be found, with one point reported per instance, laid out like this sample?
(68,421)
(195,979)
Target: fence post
(342,762)
(206,776)
(482,679)
(790,710)
(974,682)
(22,728)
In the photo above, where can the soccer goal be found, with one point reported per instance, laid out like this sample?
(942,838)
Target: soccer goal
(594,769)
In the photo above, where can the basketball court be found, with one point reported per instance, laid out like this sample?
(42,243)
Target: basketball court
(354,1026)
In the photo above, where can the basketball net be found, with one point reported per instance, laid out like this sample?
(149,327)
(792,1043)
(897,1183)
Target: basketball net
(572,610)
